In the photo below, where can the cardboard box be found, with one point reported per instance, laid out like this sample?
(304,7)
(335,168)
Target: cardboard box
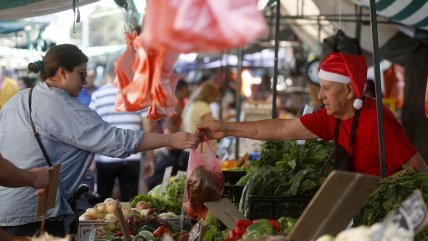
(332,208)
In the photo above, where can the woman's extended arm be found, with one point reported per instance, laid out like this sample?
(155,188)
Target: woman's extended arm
(179,140)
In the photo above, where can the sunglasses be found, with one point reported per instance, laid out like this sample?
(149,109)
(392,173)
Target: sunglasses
(82,74)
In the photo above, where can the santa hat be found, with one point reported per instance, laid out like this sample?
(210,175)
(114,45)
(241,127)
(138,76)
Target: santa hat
(346,68)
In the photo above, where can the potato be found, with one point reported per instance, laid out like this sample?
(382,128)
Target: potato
(110,207)
(109,200)
(101,207)
(92,213)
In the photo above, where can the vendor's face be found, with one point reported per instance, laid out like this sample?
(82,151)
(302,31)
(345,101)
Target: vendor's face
(335,97)
(74,80)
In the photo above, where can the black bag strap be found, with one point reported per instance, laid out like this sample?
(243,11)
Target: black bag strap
(36,134)
(336,136)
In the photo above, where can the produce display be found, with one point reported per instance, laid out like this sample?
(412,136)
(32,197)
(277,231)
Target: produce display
(285,169)
(170,201)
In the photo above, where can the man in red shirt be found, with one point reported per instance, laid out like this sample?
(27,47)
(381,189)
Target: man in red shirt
(343,77)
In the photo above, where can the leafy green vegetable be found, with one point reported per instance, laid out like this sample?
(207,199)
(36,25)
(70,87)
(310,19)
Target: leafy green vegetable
(285,169)
(389,195)
(170,201)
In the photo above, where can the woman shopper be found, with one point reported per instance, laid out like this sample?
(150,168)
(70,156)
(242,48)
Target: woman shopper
(70,133)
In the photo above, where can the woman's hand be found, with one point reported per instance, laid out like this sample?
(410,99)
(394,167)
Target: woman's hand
(183,140)
(213,129)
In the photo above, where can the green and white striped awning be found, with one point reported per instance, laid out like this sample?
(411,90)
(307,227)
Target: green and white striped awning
(18,9)
(408,12)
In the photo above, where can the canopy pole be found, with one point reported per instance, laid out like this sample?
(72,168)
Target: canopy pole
(238,97)
(373,24)
(275,68)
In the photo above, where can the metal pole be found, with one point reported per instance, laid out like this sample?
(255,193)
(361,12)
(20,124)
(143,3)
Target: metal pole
(222,79)
(359,11)
(275,68)
(373,24)
(238,98)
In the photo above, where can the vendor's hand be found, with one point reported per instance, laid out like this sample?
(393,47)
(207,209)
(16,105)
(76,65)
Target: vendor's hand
(183,140)
(149,168)
(213,129)
(40,179)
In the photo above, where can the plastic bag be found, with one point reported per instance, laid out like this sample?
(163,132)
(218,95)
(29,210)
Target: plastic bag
(204,181)
(342,43)
(145,78)
(124,72)
(203,25)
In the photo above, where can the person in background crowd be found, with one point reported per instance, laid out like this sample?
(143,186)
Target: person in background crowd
(197,110)
(11,176)
(173,157)
(86,93)
(127,170)
(26,82)
(347,117)
(8,87)
(370,90)
(71,134)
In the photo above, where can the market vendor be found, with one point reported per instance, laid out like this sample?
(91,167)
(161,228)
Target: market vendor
(347,118)
(69,131)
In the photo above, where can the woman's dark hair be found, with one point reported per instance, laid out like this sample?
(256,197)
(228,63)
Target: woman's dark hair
(63,55)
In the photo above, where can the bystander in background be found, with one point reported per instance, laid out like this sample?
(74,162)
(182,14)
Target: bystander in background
(86,93)
(172,157)
(127,170)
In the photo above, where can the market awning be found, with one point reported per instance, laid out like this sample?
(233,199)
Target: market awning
(407,12)
(14,9)
(404,20)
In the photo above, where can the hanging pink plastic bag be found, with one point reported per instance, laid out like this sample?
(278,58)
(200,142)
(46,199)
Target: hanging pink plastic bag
(203,25)
(204,181)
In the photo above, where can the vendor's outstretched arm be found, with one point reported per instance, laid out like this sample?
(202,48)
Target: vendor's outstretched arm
(271,129)
(179,140)
(417,163)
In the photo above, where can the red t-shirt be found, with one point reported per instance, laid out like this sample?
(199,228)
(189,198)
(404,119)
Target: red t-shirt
(364,154)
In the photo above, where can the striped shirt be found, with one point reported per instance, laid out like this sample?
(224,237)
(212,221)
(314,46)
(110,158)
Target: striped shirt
(102,102)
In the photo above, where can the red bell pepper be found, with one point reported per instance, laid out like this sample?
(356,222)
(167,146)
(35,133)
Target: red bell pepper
(275,224)
(243,223)
(160,231)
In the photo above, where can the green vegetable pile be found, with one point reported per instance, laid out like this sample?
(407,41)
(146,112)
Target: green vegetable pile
(285,169)
(170,201)
(389,195)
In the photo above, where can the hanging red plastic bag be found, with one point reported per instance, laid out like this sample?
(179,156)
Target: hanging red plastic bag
(165,108)
(204,181)
(124,72)
(426,100)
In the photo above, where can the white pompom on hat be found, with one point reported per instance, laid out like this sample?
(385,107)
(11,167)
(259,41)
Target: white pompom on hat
(346,68)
